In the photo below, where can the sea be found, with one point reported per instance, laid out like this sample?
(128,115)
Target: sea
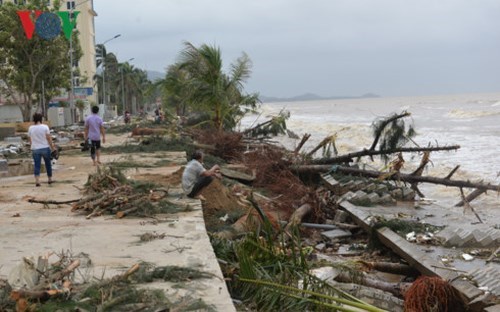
(471,121)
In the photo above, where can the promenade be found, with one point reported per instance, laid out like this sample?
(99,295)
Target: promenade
(113,245)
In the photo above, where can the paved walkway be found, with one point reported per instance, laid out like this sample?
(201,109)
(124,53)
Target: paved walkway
(113,245)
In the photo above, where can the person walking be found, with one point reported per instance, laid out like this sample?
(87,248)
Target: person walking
(41,147)
(94,129)
(195,177)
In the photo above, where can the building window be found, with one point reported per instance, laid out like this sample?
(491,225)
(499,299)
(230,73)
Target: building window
(70,5)
(76,81)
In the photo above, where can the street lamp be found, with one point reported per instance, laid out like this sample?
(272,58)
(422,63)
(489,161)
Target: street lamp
(123,89)
(104,70)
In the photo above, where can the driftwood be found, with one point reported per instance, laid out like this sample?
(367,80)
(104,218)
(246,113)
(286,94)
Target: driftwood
(348,157)
(399,176)
(298,215)
(323,143)
(147,131)
(473,195)
(467,205)
(302,142)
(52,202)
(334,225)
(21,294)
(493,255)
(43,290)
(396,289)
(58,275)
(390,267)
(452,172)
(420,169)
(121,201)
(262,124)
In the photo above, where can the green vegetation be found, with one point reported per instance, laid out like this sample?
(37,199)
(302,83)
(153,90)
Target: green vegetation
(124,82)
(150,145)
(270,274)
(36,61)
(197,83)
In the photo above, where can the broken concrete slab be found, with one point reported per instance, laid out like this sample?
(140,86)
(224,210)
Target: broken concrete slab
(336,234)
(415,255)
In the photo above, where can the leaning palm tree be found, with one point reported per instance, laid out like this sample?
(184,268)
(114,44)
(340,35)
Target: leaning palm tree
(213,91)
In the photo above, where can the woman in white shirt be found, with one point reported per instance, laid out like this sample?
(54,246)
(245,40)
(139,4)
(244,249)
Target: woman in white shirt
(41,147)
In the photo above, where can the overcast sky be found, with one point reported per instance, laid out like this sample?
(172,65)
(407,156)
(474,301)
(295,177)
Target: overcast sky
(326,47)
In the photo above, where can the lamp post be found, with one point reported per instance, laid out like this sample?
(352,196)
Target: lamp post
(104,71)
(123,89)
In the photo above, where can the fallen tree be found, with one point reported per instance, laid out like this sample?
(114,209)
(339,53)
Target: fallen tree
(397,176)
(350,156)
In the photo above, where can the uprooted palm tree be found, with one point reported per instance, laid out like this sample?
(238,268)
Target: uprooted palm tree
(211,90)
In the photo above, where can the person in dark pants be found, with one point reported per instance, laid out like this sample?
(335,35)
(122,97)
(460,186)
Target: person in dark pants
(94,129)
(41,147)
(195,177)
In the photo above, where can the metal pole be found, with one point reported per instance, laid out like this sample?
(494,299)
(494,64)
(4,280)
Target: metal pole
(123,91)
(103,79)
(72,92)
(104,71)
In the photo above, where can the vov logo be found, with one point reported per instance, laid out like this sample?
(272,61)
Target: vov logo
(47,25)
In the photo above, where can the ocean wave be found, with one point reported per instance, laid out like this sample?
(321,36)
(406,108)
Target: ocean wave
(461,114)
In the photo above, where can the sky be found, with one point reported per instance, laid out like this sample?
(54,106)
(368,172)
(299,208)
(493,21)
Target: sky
(325,47)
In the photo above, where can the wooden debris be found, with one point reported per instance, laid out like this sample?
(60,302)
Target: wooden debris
(238,175)
(403,177)
(396,289)
(147,131)
(302,142)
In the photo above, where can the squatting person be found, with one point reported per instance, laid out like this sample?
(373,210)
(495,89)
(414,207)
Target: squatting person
(195,177)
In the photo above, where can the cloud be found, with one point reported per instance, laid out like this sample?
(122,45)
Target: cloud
(346,47)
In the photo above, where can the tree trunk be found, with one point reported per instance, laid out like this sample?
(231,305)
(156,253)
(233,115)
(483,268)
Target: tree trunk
(396,289)
(350,156)
(398,176)
(298,215)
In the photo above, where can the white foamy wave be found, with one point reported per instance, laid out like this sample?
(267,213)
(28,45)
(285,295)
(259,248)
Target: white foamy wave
(496,104)
(463,114)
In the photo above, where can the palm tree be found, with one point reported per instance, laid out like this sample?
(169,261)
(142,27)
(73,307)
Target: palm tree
(174,88)
(212,90)
(132,84)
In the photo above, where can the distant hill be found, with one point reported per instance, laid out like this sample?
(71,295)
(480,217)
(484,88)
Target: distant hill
(155,75)
(313,97)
